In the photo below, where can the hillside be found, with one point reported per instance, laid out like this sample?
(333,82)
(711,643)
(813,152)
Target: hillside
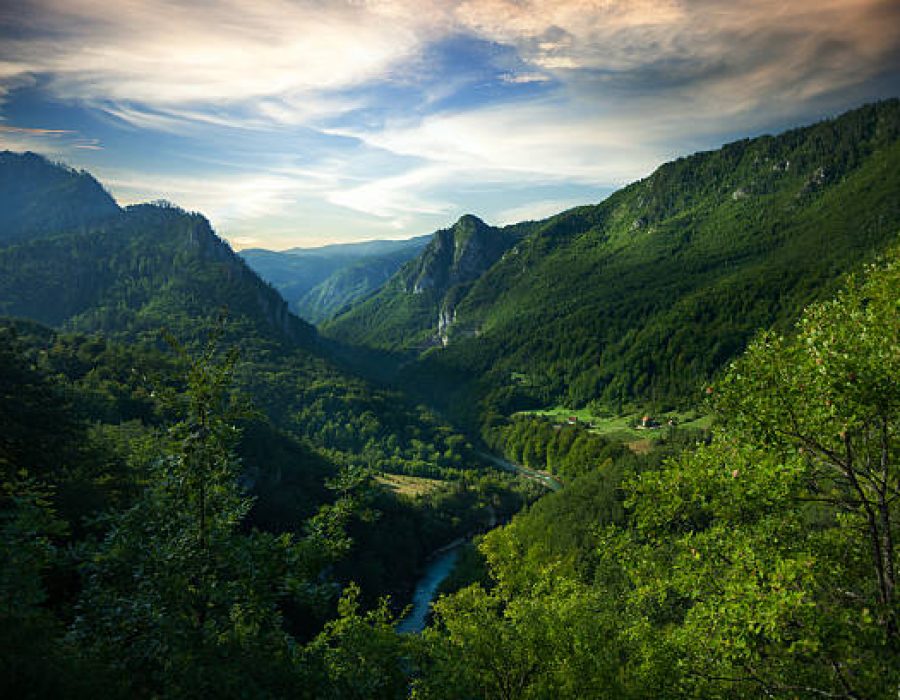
(147,267)
(643,297)
(418,306)
(117,292)
(151,269)
(319,282)
(38,197)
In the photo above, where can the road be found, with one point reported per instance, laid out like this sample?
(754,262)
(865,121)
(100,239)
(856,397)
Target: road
(544,478)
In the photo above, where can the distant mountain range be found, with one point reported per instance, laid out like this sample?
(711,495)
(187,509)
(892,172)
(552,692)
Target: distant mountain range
(320,282)
(73,260)
(644,296)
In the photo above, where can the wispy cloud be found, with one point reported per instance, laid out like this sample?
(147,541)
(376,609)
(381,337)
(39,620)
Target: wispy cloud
(168,54)
(57,143)
(396,197)
(535,211)
(225,199)
(390,113)
(545,140)
(524,78)
(29,131)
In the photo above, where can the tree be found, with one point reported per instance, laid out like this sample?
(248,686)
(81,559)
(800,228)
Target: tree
(178,599)
(766,560)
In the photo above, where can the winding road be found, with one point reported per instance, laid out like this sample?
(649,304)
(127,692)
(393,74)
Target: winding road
(544,478)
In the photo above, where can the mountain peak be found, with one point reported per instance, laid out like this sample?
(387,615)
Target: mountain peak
(468,221)
(39,197)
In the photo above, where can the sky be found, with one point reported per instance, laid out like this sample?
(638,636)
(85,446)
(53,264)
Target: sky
(306,122)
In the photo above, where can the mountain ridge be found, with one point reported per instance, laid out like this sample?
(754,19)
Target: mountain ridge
(38,197)
(646,294)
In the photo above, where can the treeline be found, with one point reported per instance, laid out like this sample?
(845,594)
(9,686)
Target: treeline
(161,538)
(538,443)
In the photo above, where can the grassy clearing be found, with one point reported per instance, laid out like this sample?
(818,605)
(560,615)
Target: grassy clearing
(409,485)
(621,428)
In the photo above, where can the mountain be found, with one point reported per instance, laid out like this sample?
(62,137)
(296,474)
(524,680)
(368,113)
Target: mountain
(141,269)
(156,267)
(418,306)
(115,288)
(643,297)
(37,197)
(318,282)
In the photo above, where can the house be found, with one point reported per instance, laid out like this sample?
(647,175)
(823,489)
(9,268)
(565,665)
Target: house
(647,423)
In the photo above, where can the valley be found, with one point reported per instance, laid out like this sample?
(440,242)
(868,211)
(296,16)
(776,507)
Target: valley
(646,447)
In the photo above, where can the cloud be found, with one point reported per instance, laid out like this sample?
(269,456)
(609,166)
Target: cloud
(549,140)
(755,49)
(524,78)
(166,53)
(399,109)
(224,199)
(57,143)
(32,131)
(396,197)
(170,65)
(535,211)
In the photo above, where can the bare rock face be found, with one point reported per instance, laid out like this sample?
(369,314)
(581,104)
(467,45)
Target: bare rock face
(453,260)
(457,255)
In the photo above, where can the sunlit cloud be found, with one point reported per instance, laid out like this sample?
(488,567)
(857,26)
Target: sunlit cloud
(88,145)
(389,114)
(224,199)
(394,197)
(33,132)
(165,53)
(523,78)
(535,211)
(544,140)
(56,143)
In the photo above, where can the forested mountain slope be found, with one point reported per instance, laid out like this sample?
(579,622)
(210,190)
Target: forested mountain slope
(646,295)
(418,306)
(38,197)
(147,267)
(118,290)
(155,268)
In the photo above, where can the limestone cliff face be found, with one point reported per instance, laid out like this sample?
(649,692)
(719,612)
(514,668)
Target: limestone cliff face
(421,306)
(455,256)
(451,262)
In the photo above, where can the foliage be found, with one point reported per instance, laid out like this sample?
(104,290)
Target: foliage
(569,451)
(175,591)
(357,656)
(647,295)
(780,535)
(759,564)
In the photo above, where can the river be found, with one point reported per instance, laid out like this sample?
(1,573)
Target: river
(437,570)
(442,562)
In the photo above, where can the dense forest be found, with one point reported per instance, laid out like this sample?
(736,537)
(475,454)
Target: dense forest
(203,496)
(641,299)
(758,562)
